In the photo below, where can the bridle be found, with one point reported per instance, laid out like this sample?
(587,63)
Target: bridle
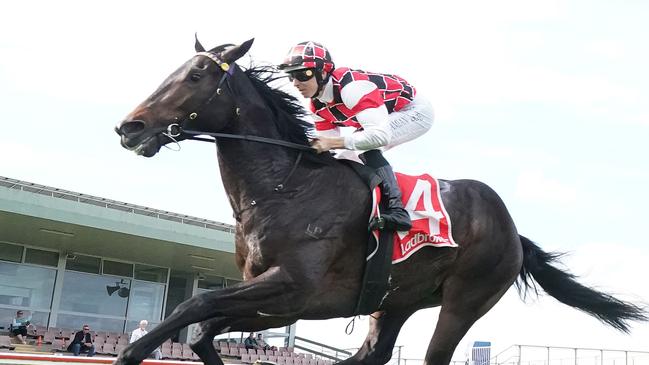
(179,129)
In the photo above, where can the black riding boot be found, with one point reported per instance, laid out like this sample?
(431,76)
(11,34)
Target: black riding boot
(395,218)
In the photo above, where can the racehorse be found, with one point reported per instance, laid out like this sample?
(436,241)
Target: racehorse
(301,226)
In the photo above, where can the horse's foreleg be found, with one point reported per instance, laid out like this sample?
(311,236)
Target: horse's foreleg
(271,292)
(383,332)
(202,341)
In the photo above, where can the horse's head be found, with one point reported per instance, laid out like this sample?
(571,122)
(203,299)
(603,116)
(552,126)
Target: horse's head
(182,100)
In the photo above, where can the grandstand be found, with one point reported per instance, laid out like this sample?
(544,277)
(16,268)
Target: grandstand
(69,259)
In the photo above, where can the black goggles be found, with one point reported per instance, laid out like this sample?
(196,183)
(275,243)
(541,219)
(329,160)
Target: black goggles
(301,75)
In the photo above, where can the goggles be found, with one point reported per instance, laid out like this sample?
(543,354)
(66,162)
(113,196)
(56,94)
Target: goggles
(301,75)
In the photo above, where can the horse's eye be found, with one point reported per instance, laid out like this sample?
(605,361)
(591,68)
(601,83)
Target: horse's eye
(195,77)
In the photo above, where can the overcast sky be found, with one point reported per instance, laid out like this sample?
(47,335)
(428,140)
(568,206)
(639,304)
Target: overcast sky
(544,101)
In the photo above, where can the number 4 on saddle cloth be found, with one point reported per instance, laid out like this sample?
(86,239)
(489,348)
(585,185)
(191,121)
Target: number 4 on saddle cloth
(431,227)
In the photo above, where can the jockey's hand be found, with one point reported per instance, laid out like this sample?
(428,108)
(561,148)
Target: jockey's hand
(324,144)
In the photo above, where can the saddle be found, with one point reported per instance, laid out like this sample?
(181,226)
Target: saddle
(431,227)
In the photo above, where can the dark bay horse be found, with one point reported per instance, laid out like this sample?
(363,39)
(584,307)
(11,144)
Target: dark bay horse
(301,226)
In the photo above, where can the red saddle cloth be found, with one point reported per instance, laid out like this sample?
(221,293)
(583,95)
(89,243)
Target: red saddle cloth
(431,224)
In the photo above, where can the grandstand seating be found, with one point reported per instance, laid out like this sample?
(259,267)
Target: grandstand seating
(5,343)
(49,336)
(166,353)
(105,349)
(119,348)
(112,343)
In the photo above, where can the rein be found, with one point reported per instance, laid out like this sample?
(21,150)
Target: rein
(175,130)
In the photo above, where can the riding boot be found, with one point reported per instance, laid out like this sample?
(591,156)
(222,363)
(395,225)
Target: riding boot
(395,217)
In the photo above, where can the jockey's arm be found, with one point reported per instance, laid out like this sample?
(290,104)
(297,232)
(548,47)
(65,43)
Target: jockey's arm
(375,133)
(328,137)
(363,97)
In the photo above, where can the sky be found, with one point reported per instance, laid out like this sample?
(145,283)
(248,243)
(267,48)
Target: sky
(546,102)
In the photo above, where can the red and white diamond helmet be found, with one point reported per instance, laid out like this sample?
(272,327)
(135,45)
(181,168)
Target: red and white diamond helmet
(307,55)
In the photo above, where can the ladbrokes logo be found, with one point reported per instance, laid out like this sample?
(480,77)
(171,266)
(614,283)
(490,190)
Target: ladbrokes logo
(420,239)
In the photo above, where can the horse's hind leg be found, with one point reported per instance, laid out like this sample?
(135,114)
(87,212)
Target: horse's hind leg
(465,299)
(383,332)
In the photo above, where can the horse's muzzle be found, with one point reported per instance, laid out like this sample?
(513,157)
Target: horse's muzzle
(132,133)
(130,128)
(135,138)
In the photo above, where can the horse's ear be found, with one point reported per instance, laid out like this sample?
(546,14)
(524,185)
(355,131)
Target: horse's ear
(197,45)
(234,53)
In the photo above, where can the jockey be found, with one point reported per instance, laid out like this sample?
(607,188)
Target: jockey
(383,108)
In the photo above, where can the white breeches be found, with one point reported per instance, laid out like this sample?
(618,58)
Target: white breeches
(410,122)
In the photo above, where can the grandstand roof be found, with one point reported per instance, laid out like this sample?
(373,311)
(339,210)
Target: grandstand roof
(71,222)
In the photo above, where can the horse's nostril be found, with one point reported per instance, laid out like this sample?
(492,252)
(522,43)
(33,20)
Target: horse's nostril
(132,127)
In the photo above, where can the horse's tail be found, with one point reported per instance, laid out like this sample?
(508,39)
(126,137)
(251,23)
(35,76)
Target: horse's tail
(537,266)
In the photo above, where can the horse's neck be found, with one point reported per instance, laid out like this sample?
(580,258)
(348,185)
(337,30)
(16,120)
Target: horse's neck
(251,170)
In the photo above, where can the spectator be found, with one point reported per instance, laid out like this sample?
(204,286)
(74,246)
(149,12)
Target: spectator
(262,344)
(250,342)
(139,333)
(82,342)
(19,327)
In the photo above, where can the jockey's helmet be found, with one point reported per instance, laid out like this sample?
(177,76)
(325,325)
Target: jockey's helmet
(307,55)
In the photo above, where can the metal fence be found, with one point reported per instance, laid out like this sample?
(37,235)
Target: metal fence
(545,355)
(552,355)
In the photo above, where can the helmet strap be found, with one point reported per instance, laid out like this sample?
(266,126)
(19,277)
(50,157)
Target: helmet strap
(321,82)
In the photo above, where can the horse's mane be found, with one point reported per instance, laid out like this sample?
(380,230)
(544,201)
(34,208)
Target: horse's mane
(287,109)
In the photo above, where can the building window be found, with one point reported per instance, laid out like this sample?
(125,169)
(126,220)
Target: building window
(151,273)
(211,283)
(12,253)
(231,282)
(75,321)
(93,294)
(41,257)
(83,263)
(146,301)
(118,268)
(35,317)
(26,286)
